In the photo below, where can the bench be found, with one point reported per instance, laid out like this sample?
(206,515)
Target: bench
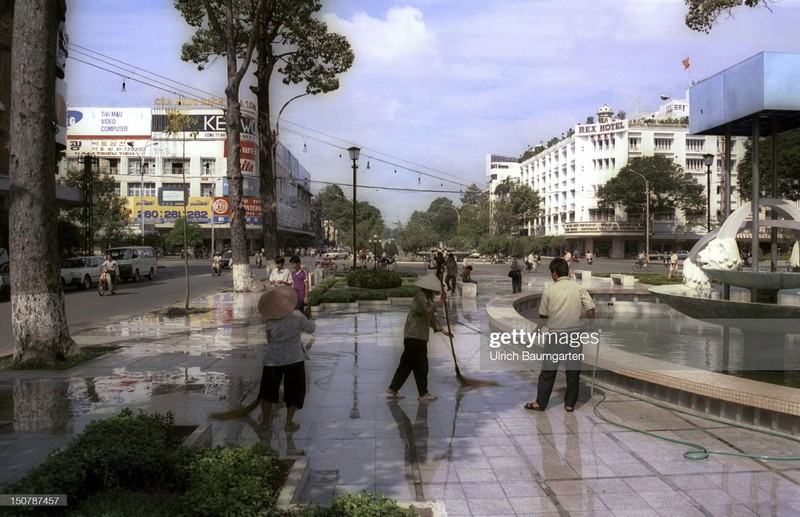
(622,280)
(582,274)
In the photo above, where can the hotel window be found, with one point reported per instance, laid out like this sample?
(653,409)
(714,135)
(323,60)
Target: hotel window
(635,143)
(663,144)
(695,145)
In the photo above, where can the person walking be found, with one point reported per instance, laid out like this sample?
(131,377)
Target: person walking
(673,264)
(284,360)
(517,266)
(421,318)
(451,266)
(300,282)
(438,261)
(560,309)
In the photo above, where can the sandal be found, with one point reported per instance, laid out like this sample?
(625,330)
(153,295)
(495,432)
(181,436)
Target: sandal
(569,409)
(428,398)
(390,394)
(533,406)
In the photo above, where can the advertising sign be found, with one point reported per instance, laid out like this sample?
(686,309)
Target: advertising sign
(252,208)
(198,210)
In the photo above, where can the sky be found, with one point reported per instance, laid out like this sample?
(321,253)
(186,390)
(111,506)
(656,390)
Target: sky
(438,84)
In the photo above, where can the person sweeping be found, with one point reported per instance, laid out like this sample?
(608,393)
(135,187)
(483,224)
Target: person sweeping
(420,320)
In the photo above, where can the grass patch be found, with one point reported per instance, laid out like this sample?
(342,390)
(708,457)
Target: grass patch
(336,290)
(86,354)
(646,278)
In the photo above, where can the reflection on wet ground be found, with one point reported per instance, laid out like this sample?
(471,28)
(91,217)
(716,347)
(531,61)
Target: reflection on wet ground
(475,450)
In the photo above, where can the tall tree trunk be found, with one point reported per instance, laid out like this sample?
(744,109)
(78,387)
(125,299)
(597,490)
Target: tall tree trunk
(38,318)
(267,159)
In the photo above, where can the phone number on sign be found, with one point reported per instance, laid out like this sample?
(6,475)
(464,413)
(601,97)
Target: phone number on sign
(173,214)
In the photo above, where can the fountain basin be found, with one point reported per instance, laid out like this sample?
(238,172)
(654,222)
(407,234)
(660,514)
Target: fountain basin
(773,281)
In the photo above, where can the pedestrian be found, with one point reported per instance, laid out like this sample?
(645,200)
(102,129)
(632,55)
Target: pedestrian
(438,261)
(451,267)
(280,275)
(568,258)
(673,264)
(560,309)
(515,274)
(284,360)
(300,282)
(421,318)
(665,257)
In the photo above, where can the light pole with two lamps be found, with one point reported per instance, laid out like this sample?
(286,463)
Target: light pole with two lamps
(646,215)
(708,161)
(354,153)
(375,241)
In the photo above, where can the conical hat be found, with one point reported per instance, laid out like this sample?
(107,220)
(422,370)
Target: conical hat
(430,282)
(277,302)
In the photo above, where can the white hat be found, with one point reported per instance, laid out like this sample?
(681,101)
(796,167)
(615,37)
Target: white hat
(277,302)
(430,282)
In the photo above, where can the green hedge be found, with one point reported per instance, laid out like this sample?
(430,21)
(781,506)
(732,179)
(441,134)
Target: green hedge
(365,504)
(376,279)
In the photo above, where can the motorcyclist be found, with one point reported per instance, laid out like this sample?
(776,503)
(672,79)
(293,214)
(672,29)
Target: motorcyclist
(589,257)
(109,266)
(641,258)
(216,265)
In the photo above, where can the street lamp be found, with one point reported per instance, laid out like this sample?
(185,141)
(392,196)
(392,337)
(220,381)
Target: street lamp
(708,161)
(374,241)
(646,216)
(354,152)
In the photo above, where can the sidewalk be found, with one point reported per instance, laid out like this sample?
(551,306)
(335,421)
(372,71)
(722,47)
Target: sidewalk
(474,450)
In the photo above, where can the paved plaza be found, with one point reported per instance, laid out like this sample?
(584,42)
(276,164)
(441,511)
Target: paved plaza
(475,451)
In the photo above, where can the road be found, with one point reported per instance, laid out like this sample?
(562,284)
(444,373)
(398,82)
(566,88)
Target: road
(87,308)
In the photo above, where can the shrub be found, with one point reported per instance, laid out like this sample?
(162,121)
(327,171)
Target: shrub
(119,502)
(233,480)
(365,504)
(405,291)
(339,296)
(131,450)
(377,279)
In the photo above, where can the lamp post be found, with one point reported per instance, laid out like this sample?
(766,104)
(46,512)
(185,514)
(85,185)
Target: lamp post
(141,186)
(708,161)
(374,241)
(647,215)
(354,153)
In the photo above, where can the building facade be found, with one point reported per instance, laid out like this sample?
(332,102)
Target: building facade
(155,168)
(568,174)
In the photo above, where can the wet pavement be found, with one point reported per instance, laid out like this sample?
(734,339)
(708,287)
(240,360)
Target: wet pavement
(474,450)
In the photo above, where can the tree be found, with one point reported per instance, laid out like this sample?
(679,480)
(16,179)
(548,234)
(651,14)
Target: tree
(788,151)
(193,234)
(293,42)
(671,188)
(415,236)
(703,14)
(513,209)
(331,205)
(38,318)
(225,27)
(110,214)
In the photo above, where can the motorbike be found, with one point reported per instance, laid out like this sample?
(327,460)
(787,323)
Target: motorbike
(590,260)
(386,263)
(103,284)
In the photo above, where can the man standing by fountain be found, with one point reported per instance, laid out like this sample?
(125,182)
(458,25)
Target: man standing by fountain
(673,264)
(560,309)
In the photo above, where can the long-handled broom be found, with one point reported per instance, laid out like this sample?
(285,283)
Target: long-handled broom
(465,381)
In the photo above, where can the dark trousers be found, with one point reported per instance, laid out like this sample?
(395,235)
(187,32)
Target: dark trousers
(547,377)
(414,359)
(516,283)
(450,283)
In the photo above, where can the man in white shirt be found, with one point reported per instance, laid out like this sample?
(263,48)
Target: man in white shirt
(280,275)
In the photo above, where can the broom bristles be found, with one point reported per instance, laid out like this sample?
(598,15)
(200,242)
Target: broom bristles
(236,412)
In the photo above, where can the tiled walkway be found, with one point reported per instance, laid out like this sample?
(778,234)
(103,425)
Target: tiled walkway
(475,450)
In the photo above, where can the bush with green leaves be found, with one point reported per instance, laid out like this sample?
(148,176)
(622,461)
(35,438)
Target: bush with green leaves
(376,279)
(365,504)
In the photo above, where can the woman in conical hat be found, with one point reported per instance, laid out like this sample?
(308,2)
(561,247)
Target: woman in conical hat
(284,360)
(421,318)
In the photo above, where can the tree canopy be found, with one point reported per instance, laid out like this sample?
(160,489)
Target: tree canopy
(703,14)
(515,205)
(788,152)
(670,187)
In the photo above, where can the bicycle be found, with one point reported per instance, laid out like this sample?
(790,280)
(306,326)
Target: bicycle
(639,266)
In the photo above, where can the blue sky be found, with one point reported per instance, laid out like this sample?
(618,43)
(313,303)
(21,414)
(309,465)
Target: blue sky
(438,84)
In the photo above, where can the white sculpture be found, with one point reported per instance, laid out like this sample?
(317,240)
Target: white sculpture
(693,276)
(721,253)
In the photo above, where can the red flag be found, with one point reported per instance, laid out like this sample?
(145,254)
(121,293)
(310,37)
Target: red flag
(686,63)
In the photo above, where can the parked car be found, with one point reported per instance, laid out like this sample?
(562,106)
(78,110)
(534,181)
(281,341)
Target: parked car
(5,280)
(135,262)
(683,255)
(81,271)
(337,255)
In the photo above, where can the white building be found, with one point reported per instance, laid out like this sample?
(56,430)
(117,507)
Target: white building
(568,174)
(154,169)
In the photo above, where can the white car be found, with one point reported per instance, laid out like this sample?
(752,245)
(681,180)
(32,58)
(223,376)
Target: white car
(337,255)
(81,271)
